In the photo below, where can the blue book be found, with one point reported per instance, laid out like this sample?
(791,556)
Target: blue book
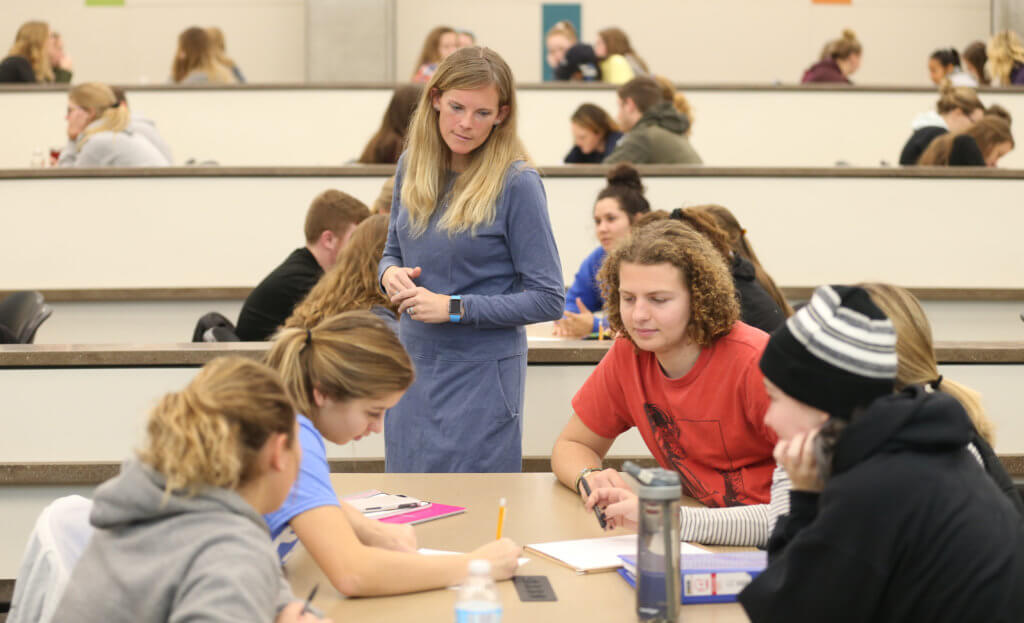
(708,578)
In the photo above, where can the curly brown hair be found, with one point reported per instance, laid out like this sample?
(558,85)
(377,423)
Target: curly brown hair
(351,284)
(714,308)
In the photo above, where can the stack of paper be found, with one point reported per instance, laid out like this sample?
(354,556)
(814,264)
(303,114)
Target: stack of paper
(398,508)
(596,555)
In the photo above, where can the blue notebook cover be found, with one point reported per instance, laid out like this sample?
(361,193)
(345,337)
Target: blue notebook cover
(709,578)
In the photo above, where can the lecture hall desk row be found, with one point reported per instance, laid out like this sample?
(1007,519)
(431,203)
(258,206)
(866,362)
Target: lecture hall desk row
(734,125)
(67,441)
(227,227)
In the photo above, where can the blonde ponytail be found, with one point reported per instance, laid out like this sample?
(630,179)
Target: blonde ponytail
(351,355)
(210,433)
(916,353)
(101,101)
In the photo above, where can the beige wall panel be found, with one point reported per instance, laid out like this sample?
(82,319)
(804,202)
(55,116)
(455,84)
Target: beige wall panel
(311,127)
(135,43)
(191,232)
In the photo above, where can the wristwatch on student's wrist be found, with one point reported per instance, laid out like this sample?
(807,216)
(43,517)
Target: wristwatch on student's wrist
(583,473)
(455,308)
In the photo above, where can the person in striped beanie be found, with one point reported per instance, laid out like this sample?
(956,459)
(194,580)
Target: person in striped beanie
(891,518)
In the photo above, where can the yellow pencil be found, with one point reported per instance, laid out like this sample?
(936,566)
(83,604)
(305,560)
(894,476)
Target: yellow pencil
(501,516)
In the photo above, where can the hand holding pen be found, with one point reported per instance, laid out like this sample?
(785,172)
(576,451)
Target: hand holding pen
(301,612)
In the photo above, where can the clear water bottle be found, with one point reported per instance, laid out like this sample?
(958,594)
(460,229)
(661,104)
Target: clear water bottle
(657,559)
(478,596)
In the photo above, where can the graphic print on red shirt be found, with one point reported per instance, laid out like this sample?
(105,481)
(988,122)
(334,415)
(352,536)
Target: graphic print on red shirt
(708,425)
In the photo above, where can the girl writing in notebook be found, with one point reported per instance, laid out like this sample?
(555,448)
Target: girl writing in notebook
(683,371)
(179,534)
(342,375)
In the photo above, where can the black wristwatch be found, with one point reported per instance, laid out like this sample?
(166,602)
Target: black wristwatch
(455,308)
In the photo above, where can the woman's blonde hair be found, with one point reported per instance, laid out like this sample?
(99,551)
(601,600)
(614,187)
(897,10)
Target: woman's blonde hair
(713,305)
(474,193)
(100,100)
(351,355)
(952,98)
(1004,52)
(736,236)
(843,47)
(351,284)
(196,53)
(617,42)
(30,43)
(564,28)
(916,352)
(431,52)
(210,433)
(990,131)
(220,51)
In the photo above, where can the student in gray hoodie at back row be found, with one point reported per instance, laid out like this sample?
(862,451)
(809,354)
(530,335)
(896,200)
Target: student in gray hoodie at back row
(179,533)
(655,130)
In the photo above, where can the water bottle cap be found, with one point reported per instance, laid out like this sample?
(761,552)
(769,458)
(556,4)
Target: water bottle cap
(479,567)
(654,483)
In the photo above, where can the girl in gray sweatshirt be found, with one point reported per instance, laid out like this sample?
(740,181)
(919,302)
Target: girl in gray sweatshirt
(179,534)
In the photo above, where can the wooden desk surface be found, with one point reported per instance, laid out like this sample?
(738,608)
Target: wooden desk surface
(539,509)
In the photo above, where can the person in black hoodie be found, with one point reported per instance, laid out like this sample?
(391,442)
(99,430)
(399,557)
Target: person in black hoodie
(891,517)
(956,110)
(757,307)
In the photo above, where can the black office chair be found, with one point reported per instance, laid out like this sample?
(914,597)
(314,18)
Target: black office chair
(22,313)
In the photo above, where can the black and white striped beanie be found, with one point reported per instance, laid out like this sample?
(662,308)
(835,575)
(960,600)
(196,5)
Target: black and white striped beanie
(836,353)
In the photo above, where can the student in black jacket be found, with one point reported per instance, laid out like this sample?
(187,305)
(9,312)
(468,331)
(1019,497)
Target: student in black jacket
(981,145)
(891,517)
(330,221)
(956,110)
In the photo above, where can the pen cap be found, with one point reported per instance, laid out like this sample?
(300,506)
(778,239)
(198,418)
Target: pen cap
(654,483)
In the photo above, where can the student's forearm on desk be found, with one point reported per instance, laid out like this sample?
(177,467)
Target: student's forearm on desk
(356,569)
(569,457)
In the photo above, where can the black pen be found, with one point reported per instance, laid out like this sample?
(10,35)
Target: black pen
(597,511)
(309,600)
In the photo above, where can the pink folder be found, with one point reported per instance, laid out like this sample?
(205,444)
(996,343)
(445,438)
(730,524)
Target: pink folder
(425,514)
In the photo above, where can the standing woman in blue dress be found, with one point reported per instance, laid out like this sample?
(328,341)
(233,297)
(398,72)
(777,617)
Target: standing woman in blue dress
(470,259)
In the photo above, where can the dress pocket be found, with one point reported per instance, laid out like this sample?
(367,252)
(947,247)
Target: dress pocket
(511,383)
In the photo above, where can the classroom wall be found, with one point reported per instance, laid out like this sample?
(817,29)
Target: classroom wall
(171,232)
(135,44)
(688,40)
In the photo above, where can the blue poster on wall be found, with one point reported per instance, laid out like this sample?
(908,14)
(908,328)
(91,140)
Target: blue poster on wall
(551,15)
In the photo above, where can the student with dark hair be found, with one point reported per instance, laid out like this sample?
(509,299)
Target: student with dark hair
(179,533)
(757,307)
(437,46)
(980,145)
(975,57)
(890,516)
(330,221)
(387,144)
(956,110)
(944,64)
(840,58)
(617,208)
(594,133)
(655,131)
(683,371)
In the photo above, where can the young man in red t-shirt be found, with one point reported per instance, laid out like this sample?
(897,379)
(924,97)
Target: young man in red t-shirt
(684,372)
